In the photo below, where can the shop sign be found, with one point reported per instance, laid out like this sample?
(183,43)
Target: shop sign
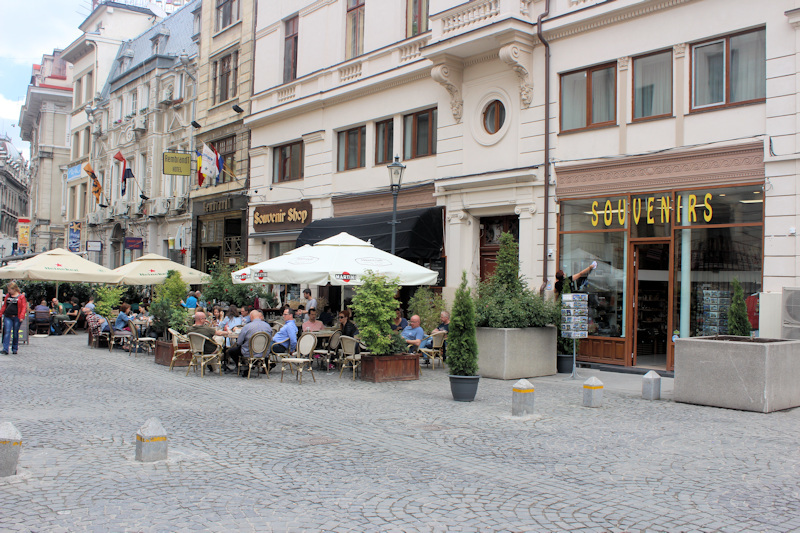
(214,206)
(73,173)
(652,210)
(177,164)
(74,240)
(94,246)
(134,243)
(23,235)
(281,216)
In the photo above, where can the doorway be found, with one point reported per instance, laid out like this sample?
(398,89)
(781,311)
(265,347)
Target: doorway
(651,299)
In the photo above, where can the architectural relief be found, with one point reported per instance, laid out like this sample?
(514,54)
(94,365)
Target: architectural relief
(512,55)
(450,79)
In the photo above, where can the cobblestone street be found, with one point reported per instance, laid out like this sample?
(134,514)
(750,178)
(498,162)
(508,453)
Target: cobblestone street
(339,455)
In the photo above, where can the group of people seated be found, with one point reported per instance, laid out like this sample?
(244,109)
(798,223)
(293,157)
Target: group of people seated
(56,313)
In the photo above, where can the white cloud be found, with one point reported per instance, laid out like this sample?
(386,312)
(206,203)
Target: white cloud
(9,115)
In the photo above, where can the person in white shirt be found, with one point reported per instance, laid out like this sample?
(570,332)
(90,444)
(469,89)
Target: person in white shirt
(311,303)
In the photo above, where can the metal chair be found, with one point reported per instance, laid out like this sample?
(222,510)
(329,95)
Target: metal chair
(259,354)
(331,350)
(148,343)
(197,343)
(117,336)
(177,352)
(350,355)
(302,357)
(436,351)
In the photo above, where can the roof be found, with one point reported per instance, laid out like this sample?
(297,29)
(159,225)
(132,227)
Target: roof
(176,30)
(119,5)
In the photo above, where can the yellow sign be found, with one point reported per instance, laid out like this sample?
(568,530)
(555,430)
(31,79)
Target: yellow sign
(23,235)
(177,164)
(653,210)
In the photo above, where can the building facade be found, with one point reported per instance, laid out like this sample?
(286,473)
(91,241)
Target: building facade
(45,123)
(14,183)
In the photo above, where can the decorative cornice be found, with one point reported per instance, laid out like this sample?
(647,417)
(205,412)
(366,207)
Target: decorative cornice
(314,136)
(515,55)
(679,50)
(449,77)
(623,63)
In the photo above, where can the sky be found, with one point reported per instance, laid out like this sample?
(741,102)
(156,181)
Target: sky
(31,29)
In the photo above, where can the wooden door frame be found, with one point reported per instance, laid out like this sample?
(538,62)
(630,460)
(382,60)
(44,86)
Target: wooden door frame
(633,317)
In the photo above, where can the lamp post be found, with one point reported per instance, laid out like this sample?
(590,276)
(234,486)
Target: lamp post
(396,176)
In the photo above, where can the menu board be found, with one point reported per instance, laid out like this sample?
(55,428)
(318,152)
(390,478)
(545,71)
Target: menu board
(575,315)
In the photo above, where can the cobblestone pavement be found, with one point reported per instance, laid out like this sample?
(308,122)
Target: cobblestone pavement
(339,455)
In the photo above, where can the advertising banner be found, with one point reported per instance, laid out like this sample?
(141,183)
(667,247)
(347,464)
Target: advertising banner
(74,242)
(177,164)
(24,235)
(134,243)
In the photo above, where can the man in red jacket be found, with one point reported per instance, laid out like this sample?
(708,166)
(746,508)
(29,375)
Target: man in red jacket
(14,308)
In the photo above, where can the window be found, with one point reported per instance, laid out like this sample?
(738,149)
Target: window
(227,13)
(226,148)
(89,86)
(119,107)
(290,50)
(224,73)
(288,162)
(494,116)
(652,85)
(352,148)
(134,97)
(76,145)
(355,29)
(196,22)
(416,17)
(87,140)
(277,249)
(78,93)
(384,141)
(588,98)
(419,134)
(729,70)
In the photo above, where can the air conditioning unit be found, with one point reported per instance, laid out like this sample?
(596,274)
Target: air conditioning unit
(139,123)
(790,313)
(120,208)
(160,207)
(105,214)
(178,204)
(94,218)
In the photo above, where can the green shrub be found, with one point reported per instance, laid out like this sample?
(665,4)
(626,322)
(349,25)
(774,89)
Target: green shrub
(374,304)
(107,298)
(222,289)
(428,305)
(462,343)
(738,322)
(166,307)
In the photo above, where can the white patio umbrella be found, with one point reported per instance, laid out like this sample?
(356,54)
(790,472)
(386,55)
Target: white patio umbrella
(338,260)
(59,265)
(245,275)
(151,269)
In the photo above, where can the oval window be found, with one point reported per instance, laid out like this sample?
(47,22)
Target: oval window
(494,116)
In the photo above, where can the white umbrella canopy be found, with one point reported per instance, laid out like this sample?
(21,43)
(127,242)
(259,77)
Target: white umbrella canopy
(246,275)
(151,269)
(338,260)
(59,265)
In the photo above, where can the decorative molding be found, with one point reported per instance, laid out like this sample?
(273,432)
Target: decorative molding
(411,51)
(623,63)
(491,56)
(285,94)
(319,4)
(381,201)
(314,136)
(524,8)
(525,210)
(449,77)
(512,54)
(688,168)
(473,13)
(458,217)
(350,72)
(679,50)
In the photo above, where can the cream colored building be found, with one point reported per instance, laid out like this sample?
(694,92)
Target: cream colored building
(45,123)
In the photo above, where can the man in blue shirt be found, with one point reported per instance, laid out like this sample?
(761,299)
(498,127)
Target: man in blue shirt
(242,346)
(286,339)
(413,333)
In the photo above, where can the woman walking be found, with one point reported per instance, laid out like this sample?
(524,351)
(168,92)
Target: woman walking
(13,311)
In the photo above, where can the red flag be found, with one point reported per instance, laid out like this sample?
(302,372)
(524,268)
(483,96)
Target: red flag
(119,157)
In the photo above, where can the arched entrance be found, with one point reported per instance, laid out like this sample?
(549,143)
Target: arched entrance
(117,239)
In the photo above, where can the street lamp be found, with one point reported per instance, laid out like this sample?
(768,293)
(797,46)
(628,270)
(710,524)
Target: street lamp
(396,178)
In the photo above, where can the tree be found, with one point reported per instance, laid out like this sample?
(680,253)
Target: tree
(222,289)
(738,322)
(166,306)
(462,342)
(374,304)
(428,305)
(108,297)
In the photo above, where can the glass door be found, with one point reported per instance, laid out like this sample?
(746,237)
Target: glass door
(651,284)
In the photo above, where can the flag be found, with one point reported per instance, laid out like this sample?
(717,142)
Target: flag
(220,163)
(119,157)
(97,189)
(209,166)
(200,176)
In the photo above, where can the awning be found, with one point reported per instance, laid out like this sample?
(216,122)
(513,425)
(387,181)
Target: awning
(419,232)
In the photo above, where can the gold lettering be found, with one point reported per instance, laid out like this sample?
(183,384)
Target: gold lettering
(692,206)
(622,211)
(595,217)
(709,212)
(678,206)
(650,219)
(608,215)
(665,209)
(637,214)
(304,212)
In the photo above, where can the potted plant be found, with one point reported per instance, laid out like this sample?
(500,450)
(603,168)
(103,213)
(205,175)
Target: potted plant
(428,305)
(516,332)
(462,345)
(374,305)
(168,313)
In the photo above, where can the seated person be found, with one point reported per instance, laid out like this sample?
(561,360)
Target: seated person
(413,333)
(59,315)
(74,310)
(242,346)
(41,315)
(444,326)
(122,323)
(285,341)
(200,327)
(95,322)
(326,317)
(399,323)
(312,324)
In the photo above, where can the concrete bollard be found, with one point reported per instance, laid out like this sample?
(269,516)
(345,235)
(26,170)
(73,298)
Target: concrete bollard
(592,392)
(10,446)
(651,386)
(522,398)
(151,442)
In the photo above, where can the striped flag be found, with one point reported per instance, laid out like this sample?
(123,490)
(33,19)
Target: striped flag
(124,176)
(97,189)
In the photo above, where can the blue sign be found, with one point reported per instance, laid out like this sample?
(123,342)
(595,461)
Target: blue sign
(74,242)
(73,173)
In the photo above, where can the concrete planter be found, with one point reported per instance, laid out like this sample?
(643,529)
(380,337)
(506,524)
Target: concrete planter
(515,353)
(737,373)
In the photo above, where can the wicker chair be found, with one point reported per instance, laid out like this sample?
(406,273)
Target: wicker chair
(197,343)
(259,354)
(177,352)
(332,351)
(303,357)
(350,355)
(437,350)
(136,342)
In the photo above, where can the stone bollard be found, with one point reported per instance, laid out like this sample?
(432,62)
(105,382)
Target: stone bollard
(592,392)
(10,446)
(522,398)
(651,386)
(151,442)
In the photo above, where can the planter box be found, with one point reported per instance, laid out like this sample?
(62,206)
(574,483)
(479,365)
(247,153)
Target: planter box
(759,375)
(164,354)
(379,368)
(515,353)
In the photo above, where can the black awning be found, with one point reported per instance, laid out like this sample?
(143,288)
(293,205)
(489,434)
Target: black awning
(419,231)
